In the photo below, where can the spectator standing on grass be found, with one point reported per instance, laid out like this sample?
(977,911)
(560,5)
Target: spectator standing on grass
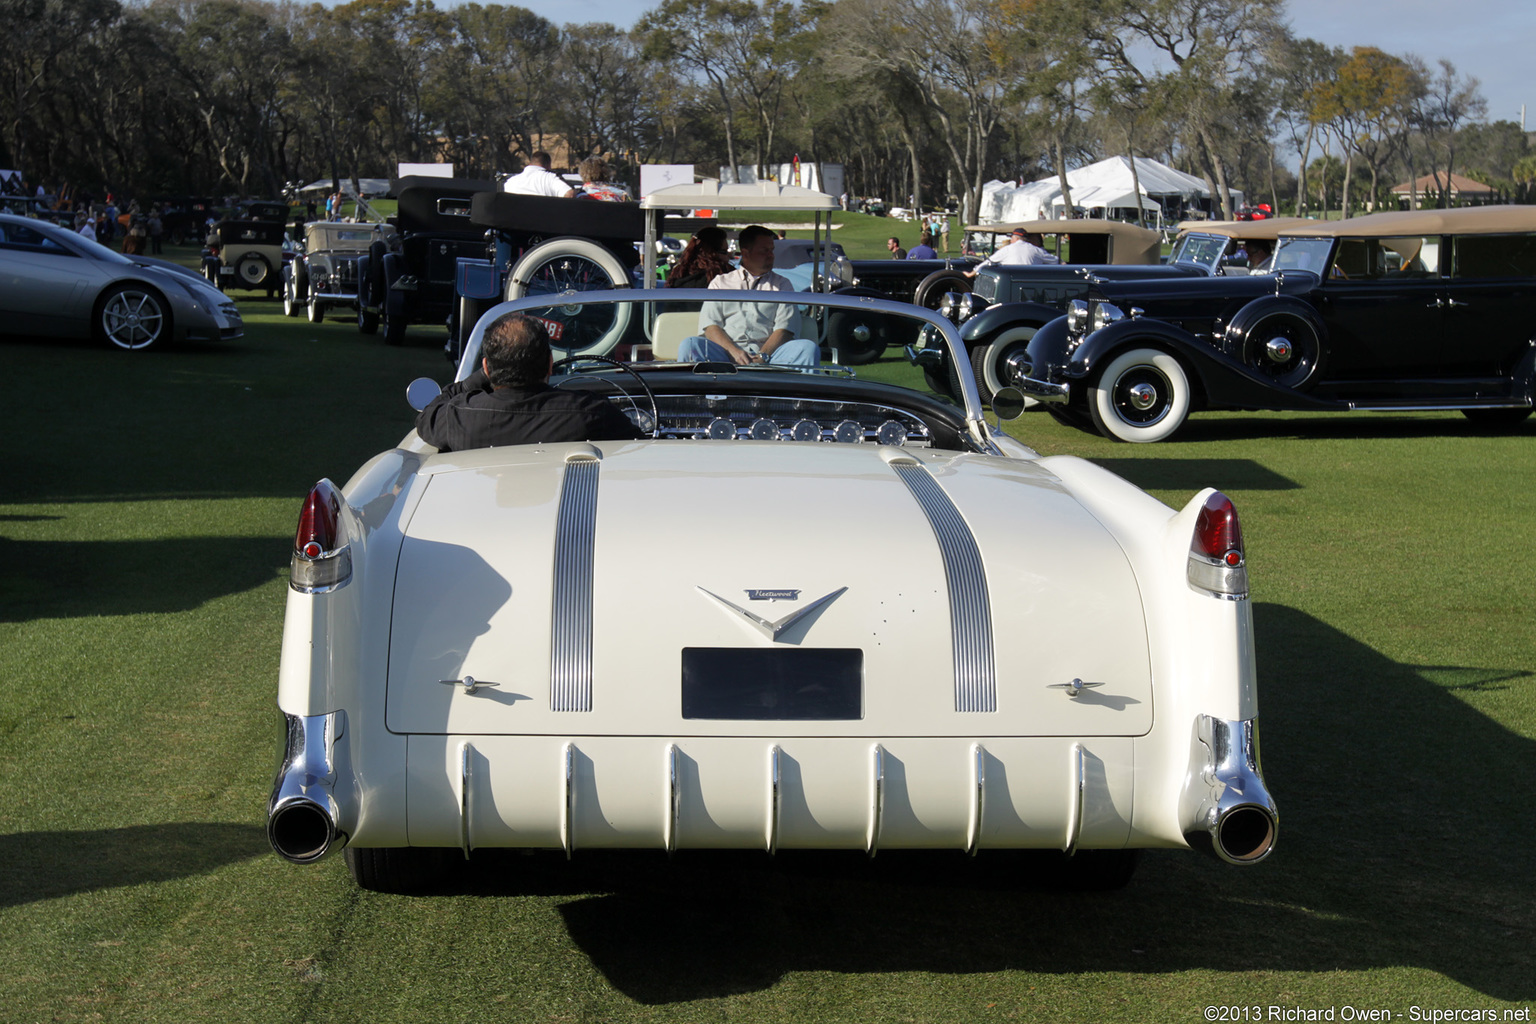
(156,229)
(893,245)
(923,250)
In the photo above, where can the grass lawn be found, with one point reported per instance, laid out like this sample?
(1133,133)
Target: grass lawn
(144,537)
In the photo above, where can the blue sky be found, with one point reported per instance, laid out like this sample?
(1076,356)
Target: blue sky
(1491,40)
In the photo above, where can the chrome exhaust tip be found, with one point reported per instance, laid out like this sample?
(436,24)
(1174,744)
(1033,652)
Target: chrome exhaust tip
(304,820)
(1226,808)
(302,831)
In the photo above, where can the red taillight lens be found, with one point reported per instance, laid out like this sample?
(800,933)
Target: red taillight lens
(317,532)
(321,560)
(1216,563)
(1217,532)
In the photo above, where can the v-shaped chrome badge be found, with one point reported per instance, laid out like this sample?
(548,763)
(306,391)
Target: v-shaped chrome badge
(772,629)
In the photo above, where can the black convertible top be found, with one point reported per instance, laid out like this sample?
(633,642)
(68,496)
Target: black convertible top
(436,204)
(542,215)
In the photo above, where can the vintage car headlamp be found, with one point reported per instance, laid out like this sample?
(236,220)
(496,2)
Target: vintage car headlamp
(948,304)
(1105,313)
(1077,316)
(970,304)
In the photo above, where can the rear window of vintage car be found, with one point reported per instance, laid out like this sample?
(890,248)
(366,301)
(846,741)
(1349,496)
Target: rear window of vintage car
(773,685)
(1495,256)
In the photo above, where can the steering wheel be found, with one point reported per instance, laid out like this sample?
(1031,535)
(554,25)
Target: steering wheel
(649,394)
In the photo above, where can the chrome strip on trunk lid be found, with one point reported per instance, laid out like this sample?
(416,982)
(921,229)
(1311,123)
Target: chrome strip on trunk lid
(570,665)
(970,617)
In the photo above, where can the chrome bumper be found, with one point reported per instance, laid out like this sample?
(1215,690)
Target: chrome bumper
(1043,390)
(1225,808)
(304,819)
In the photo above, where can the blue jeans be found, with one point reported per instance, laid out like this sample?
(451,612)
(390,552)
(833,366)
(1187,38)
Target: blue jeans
(794,352)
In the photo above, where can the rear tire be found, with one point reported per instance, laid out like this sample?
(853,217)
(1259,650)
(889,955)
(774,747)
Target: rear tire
(1143,395)
(396,869)
(316,311)
(1497,417)
(253,271)
(394,326)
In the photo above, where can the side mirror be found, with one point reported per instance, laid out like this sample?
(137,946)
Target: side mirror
(420,392)
(1008,404)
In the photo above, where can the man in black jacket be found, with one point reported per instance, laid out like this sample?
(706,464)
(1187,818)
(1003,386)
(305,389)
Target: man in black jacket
(509,400)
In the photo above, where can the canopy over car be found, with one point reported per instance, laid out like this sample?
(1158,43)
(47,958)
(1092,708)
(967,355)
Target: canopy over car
(714,195)
(322,235)
(1268,229)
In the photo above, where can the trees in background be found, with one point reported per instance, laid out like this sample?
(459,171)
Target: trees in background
(920,100)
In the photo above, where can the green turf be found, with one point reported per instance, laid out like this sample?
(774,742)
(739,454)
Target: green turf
(146,518)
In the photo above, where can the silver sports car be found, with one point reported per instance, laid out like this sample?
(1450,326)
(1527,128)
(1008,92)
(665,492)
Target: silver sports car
(54,281)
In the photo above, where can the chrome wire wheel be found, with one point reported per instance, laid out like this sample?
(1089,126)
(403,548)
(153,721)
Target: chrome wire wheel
(133,318)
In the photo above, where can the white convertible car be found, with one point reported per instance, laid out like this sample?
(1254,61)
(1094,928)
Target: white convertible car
(811,610)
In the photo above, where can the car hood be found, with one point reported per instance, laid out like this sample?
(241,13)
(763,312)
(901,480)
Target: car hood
(688,537)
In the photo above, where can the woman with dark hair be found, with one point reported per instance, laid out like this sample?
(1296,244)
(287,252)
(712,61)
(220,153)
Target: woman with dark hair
(703,259)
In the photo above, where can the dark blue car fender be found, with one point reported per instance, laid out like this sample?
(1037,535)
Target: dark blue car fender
(1220,380)
(992,321)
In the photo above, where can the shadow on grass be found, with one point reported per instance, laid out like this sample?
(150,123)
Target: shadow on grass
(1354,425)
(1195,474)
(67,579)
(1406,841)
(45,865)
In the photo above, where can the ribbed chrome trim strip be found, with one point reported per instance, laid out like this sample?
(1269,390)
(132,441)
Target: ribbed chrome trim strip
(570,661)
(466,796)
(877,800)
(1075,805)
(773,799)
(979,808)
(672,799)
(568,804)
(970,617)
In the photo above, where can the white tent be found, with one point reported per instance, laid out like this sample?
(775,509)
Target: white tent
(1106,185)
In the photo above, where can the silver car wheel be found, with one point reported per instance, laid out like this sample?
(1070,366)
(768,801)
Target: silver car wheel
(133,317)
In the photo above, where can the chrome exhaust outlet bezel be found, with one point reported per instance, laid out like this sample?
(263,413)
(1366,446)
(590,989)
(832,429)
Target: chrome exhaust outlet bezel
(1226,809)
(306,786)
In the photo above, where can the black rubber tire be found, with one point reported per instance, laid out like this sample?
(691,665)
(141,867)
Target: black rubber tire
(367,321)
(394,326)
(931,289)
(1497,418)
(132,317)
(987,360)
(290,296)
(315,310)
(397,869)
(1120,415)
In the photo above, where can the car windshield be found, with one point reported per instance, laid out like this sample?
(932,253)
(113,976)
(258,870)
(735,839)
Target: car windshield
(1309,254)
(661,334)
(1200,250)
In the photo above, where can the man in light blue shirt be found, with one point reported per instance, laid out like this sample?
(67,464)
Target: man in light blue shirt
(750,332)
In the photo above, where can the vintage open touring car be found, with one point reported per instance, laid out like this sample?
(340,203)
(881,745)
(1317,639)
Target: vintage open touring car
(659,644)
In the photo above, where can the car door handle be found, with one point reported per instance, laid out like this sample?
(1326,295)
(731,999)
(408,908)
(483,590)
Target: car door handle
(1434,305)
(1457,304)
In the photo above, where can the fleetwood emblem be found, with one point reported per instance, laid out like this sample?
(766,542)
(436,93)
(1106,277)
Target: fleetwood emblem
(772,629)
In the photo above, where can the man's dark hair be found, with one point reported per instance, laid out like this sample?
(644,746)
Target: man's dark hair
(925,239)
(516,351)
(541,158)
(751,234)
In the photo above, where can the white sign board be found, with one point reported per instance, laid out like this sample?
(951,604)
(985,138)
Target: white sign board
(659,176)
(429,170)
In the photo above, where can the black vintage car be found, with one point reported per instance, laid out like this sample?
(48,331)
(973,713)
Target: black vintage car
(410,279)
(1007,303)
(1394,311)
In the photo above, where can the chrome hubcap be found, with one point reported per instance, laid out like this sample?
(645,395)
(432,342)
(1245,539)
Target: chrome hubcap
(1279,350)
(1142,396)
